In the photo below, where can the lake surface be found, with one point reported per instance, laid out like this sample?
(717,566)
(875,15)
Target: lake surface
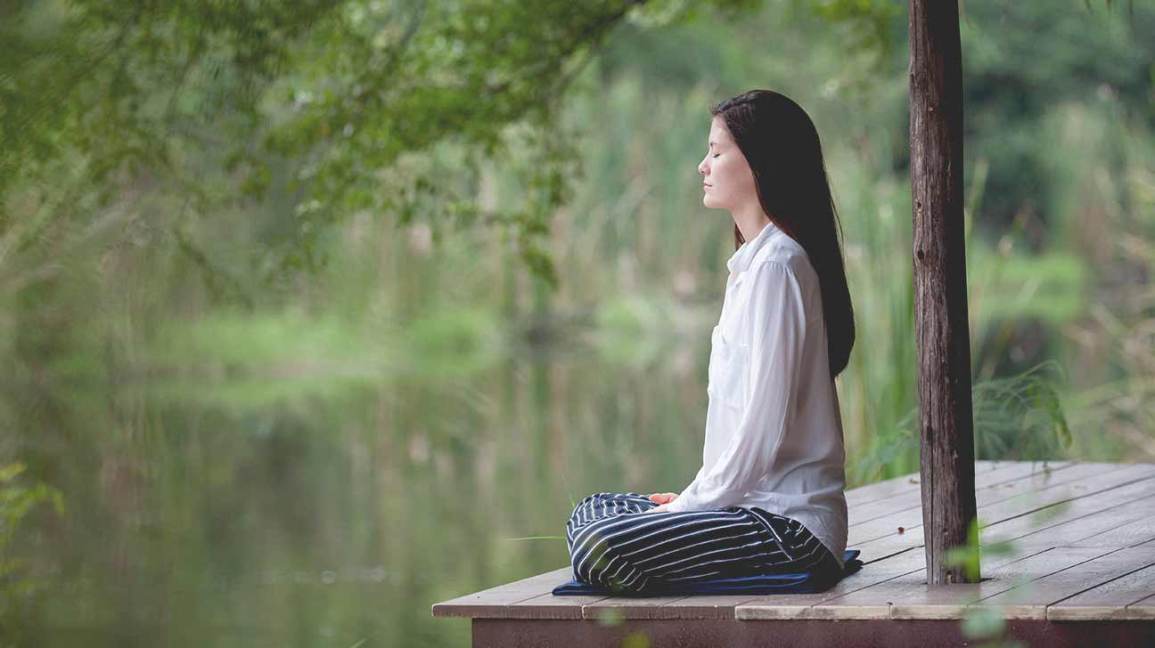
(302,511)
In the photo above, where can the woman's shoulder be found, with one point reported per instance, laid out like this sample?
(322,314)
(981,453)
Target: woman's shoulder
(786,254)
(791,260)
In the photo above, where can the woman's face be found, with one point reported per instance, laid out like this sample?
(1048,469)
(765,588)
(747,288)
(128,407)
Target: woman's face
(727,181)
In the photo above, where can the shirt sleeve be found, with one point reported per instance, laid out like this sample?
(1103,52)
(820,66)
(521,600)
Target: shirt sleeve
(774,328)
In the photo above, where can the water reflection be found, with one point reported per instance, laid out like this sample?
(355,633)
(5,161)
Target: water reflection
(199,517)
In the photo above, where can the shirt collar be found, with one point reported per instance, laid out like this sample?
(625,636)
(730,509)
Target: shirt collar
(744,255)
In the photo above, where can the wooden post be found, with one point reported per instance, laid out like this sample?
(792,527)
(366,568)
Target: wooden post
(940,298)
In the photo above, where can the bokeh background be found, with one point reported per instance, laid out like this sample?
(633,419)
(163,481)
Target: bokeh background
(315,314)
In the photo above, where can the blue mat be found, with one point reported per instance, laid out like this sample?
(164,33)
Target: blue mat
(795,583)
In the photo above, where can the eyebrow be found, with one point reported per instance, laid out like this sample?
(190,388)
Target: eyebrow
(713,143)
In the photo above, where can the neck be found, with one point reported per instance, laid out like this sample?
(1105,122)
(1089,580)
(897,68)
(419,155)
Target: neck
(750,219)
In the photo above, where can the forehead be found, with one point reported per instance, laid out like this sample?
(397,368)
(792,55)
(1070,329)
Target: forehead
(718,132)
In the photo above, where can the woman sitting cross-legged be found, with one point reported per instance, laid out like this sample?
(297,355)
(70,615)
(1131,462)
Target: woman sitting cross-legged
(769,497)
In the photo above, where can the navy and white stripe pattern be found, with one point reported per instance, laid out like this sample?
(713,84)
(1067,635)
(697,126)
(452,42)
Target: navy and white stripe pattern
(615,544)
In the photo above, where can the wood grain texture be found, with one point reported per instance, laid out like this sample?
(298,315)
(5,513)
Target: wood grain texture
(997,479)
(1048,499)
(1109,600)
(1032,599)
(942,328)
(910,483)
(496,601)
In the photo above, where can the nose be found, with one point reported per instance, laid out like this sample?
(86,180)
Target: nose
(702,168)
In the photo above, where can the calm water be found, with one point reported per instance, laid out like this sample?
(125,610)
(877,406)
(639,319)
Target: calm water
(288,511)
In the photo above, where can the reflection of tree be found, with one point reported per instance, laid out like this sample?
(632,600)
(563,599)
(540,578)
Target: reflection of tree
(17,500)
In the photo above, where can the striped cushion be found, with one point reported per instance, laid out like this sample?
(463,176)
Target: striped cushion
(796,583)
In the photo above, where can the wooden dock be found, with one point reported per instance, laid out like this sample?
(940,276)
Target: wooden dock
(1080,569)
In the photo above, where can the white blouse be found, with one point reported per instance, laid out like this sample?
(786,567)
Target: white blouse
(773,427)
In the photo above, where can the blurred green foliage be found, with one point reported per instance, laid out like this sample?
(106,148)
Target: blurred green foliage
(298,378)
(327,102)
(17,501)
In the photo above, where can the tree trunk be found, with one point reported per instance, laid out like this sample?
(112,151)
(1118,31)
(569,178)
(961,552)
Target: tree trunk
(944,371)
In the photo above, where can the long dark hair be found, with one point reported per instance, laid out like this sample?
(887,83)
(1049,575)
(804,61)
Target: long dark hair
(782,147)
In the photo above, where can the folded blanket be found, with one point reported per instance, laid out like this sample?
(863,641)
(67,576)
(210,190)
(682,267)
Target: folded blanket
(795,583)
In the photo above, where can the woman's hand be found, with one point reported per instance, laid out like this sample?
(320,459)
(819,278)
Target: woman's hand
(662,499)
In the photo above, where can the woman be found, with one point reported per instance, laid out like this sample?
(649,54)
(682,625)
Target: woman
(769,495)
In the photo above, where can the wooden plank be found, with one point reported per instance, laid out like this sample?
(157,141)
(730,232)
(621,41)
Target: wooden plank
(1031,602)
(679,607)
(938,602)
(1143,609)
(917,601)
(1119,517)
(867,604)
(884,489)
(1004,510)
(496,601)
(909,483)
(1140,532)
(1108,600)
(1082,475)
(1032,527)
(911,516)
(548,606)
(1003,474)
(797,606)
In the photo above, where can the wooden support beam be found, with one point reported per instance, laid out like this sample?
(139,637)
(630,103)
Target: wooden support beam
(940,300)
